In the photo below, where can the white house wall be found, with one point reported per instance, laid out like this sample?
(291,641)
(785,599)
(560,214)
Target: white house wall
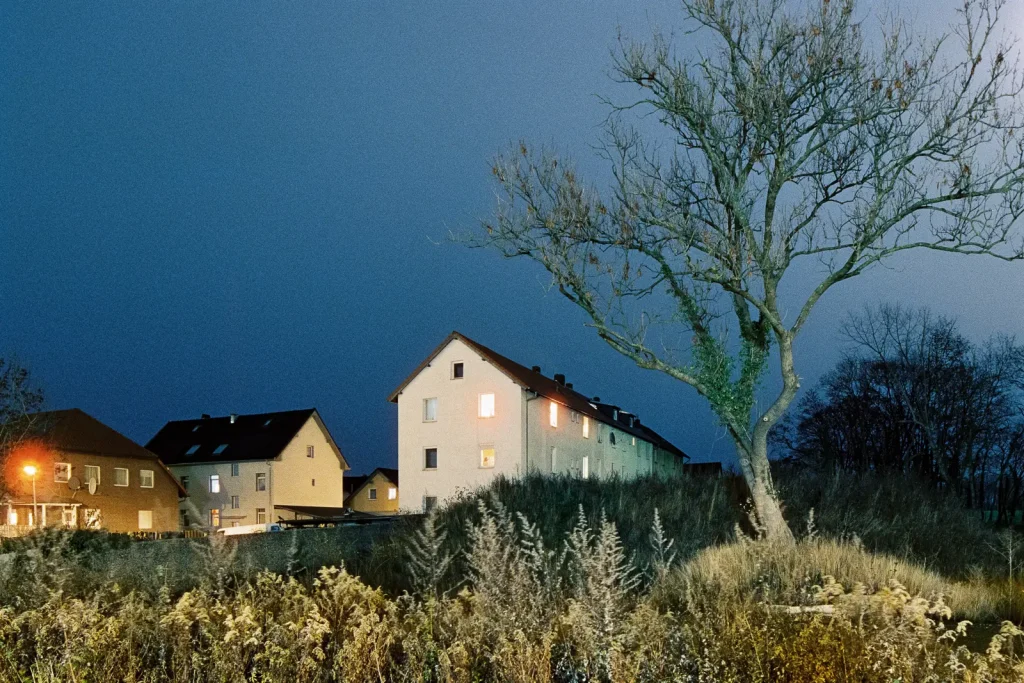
(604,459)
(458,433)
(243,485)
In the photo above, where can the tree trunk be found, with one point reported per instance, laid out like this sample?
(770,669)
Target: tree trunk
(758,474)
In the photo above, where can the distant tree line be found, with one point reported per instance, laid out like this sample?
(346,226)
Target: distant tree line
(914,396)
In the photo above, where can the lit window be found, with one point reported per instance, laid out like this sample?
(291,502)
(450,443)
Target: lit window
(487,457)
(553,414)
(92,473)
(373,494)
(215,517)
(392,493)
(634,440)
(234,469)
(220,449)
(429,503)
(61,472)
(214,483)
(309,451)
(486,405)
(586,427)
(585,473)
(430,410)
(184,483)
(192,450)
(145,519)
(12,517)
(146,479)
(261,515)
(261,482)
(120,476)
(458,370)
(235,503)
(430,458)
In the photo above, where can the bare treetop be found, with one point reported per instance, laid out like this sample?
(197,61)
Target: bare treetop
(791,138)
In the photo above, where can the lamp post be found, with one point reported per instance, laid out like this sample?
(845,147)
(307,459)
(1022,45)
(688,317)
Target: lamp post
(30,470)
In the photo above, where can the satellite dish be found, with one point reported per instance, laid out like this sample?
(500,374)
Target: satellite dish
(92,486)
(74,483)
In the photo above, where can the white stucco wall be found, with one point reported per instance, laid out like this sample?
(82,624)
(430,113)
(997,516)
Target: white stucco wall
(458,433)
(604,459)
(243,486)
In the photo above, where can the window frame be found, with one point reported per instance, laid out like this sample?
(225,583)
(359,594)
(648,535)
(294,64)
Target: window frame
(220,449)
(85,474)
(426,460)
(65,466)
(127,477)
(142,479)
(310,451)
(553,414)
(211,480)
(429,503)
(392,493)
(236,502)
(261,478)
(193,449)
(234,469)
(215,518)
(426,403)
(494,456)
(148,527)
(371,494)
(480,406)
(184,480)
(458,370)
(586,427)
(261,513)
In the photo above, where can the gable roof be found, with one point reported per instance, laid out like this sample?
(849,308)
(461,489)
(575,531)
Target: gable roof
(76,431)
(547,387)
(354,485)
(261,436)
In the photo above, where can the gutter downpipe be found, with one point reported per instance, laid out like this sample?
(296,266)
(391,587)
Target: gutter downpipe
(526,444)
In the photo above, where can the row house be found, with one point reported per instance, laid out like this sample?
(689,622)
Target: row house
(468,414)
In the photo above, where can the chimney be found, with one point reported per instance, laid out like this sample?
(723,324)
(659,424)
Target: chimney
(234,416)
(568,385)
(536,368)
(560,379)
(205,416)
(597,399)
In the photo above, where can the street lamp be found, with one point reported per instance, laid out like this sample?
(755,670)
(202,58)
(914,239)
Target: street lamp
(30,470)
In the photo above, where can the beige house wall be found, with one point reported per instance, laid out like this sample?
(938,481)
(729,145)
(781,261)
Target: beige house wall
(361,501)
(316,481)
(458,433)
(243,485)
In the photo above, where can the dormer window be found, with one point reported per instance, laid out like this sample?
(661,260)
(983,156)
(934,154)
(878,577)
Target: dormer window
(458,370)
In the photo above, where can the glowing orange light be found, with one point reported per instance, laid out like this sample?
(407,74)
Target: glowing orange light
(30,470)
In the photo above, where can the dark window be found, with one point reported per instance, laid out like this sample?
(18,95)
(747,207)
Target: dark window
(429,503)
(261,482)
(234,469)
(457,370)
(430,459)
(611,438)
(314,482)
(184,483)
(234,503)
(373,494)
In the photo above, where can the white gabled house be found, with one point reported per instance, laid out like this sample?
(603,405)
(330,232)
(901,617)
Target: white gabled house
(468,414)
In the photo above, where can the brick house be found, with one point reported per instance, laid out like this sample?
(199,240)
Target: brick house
(87,476)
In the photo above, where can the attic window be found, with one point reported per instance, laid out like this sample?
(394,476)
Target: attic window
(220,449)
(192,450)
(196,428)
(269,420)
(458,370)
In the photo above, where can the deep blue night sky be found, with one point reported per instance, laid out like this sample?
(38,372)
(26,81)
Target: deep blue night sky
(243,207)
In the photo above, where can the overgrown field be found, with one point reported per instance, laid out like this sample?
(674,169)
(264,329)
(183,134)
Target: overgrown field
(536,580)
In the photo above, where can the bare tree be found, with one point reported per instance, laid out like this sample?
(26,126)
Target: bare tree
(788,139)
(20,398)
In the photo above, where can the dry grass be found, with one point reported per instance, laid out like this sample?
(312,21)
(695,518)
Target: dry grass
(787,574)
